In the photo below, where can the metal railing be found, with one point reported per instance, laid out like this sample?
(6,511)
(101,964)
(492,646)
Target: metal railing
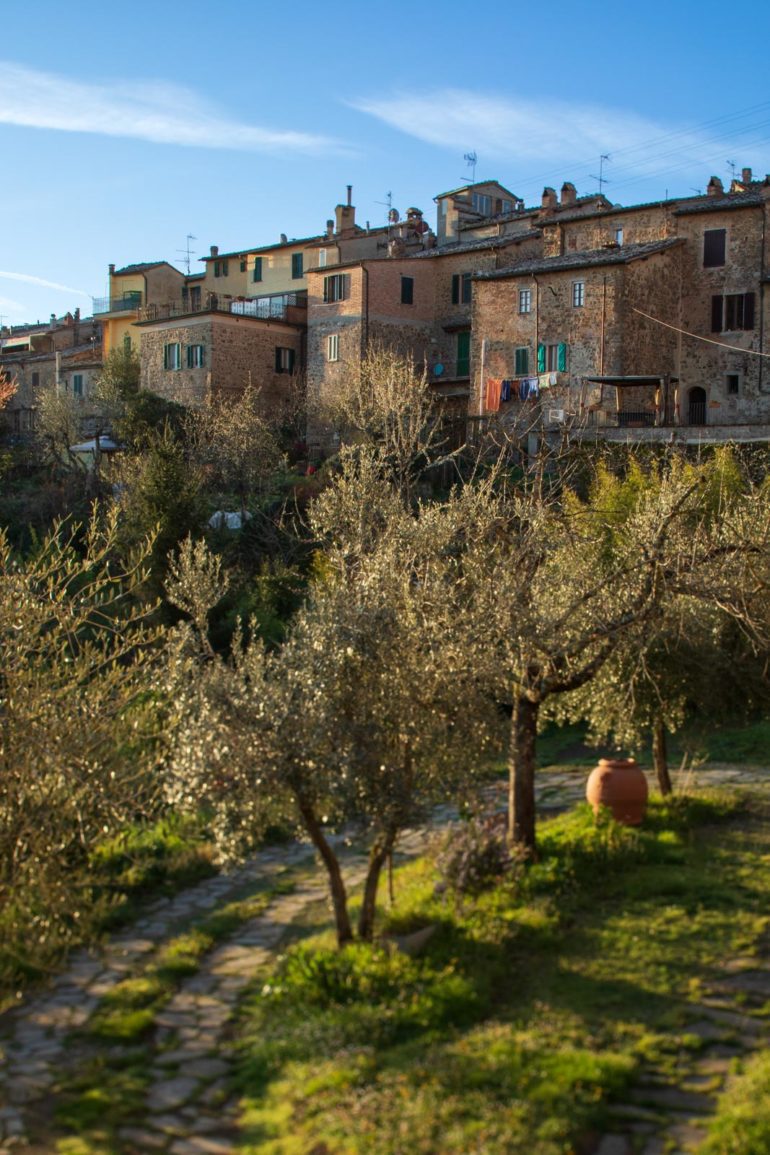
(117,304)
(273,307)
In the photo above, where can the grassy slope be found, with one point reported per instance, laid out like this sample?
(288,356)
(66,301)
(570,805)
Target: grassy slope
(530,1008)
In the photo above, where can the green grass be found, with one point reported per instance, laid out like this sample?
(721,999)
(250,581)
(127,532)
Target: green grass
(532,1006)
(741,1125)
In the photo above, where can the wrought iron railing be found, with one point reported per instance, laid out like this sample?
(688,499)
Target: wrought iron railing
(273,307)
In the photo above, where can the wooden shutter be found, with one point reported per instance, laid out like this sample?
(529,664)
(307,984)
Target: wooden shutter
(326,288)
(748,310)
(257,268)
(561,355)
(714,245)
(345,286)
(717,308)
(278,358)
(541,358)
(455,289)
(407,290)
(522,362)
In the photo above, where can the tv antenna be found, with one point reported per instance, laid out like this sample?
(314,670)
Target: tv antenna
(602,179)
(188,252)
(732,166)
(471,159)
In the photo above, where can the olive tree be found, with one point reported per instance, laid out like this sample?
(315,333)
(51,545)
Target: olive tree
(563,583)
(368,713)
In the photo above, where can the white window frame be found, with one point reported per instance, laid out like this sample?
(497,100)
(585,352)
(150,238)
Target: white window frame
(172,355)
(578,294)
(333,347)
(322,253)
(525,301)
(196,356)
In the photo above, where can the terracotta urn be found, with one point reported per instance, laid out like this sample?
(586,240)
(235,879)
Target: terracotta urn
(619,784)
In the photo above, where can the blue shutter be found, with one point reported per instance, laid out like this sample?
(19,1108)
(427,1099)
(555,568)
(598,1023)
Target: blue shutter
(561,354)
(541,358)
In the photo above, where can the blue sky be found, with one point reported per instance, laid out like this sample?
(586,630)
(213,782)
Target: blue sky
(124,127)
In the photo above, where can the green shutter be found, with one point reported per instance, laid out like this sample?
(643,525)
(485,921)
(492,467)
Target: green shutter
(463,354)
(455,289)
(522,362)
(541,358)
(561,354)
(257,269)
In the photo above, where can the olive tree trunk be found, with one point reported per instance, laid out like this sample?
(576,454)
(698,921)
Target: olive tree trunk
(521,774)
(330,861)
(660,755)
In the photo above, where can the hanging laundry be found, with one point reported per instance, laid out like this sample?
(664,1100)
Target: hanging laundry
(505,389)
(524,389)
(544,380)
(534,388)
(552,379)
(494,385)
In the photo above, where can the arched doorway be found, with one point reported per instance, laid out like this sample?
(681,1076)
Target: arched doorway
(696,406)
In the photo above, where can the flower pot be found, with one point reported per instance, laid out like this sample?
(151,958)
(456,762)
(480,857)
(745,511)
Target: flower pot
(620,785)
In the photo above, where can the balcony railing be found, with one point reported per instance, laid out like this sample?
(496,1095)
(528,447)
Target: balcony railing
(118,304)
(273,307)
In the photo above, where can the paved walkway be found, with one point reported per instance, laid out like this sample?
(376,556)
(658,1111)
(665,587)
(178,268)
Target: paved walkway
(188,1106)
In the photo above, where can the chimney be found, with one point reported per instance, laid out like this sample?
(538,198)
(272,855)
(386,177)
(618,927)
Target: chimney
(214,251)
(111,269)
(549,200)
(346,214)
(568,193)
(284,239)
(746,176)
(329,229)
(715,188)
(76,327)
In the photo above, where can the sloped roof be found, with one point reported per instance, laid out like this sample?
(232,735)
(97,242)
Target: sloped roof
(141,267)
(622,255)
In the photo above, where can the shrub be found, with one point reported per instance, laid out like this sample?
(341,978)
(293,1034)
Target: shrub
(476,856)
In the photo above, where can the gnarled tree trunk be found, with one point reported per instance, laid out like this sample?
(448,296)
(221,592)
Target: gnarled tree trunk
(378,856)
(521,774)
(330,861)
(660,755)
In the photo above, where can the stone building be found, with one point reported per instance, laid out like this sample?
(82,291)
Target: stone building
(65,353)
(635,323)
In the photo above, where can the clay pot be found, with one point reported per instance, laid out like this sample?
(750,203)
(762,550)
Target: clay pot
(619,784)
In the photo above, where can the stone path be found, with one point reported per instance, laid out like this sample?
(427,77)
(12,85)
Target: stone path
(188,1110)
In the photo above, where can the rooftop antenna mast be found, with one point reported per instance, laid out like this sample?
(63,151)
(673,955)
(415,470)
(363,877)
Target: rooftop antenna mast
(732,166)
(188,252)
(602,179)
(471,159)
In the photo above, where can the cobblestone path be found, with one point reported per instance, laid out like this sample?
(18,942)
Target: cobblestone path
(188,1107)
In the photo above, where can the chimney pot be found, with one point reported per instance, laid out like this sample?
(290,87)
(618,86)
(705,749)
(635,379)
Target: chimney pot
(350,195)
(715,188)
(568,193)
(215,250)
(549,198)
(284,239)
(746,175)
(112,269)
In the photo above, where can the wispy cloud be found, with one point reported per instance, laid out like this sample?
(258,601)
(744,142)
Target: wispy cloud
(529,132)
(41,282)
(146,110)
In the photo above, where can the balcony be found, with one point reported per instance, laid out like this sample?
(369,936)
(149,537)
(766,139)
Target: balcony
(128,303)
(274,307)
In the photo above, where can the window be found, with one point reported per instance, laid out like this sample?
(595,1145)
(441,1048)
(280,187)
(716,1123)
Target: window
(482,203)
(552,358)
(221,268)
(243,264)
(578,294)
(322,258)
(333,347)
(463,366)
(127,343)
(284,360)
(296,266)
(733,382)
(521,362)
(714,246)
(195,356)
(172,356)
(337,287)
(77,384)
(195,298)
(407,290)
(462,289)
(35,380)
(525,300)
(257,274)
(732,312)
(618,236)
